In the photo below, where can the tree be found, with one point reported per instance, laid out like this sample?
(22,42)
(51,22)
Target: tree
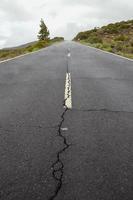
(44,32)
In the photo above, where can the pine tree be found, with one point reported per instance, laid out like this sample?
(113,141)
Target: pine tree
(44,32)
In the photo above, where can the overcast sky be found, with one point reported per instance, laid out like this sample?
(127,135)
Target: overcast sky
(19,19)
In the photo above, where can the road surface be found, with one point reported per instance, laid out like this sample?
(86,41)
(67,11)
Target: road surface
(66,125)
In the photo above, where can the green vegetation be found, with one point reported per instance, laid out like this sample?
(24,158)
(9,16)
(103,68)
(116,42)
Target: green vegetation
(116,38)
(13,52)
(44,41)
(44,32)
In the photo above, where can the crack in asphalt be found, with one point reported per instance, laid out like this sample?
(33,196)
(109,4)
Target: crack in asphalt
(102,110)
(58,165)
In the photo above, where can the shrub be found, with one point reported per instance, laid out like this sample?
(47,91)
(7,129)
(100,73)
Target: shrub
(38,45)
(111,28)
(94,39)
(129,50)
(131,42)
(106,45)
(109,49)
(121,38)
(56,39)
(99,45)
(3,54)
(119,46)
(29,48)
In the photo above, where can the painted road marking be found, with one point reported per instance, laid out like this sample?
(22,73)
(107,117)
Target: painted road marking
(64,129)
(68,91)
(69,54)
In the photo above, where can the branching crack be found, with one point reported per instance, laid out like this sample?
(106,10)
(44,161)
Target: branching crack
(58,165)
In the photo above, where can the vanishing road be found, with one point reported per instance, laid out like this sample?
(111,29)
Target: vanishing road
(66,125)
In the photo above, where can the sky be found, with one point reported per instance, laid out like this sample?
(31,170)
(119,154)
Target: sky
(20,19)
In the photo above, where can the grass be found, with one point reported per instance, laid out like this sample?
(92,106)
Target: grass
(13,52)
(108,48)
(115,38)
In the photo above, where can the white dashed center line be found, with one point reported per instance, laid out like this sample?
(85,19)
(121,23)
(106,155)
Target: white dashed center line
(69,54)
(68,92)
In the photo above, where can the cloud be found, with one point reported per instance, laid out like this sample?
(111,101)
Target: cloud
(14,10)
(19,20)
(21,33)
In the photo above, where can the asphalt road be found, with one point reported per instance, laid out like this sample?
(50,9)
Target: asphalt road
(49,151)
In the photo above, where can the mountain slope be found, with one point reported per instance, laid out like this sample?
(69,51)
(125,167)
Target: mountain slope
(116,38)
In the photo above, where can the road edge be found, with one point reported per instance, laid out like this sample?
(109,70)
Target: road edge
(129,59)
(26,54)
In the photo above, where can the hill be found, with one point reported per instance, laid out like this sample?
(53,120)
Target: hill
(27,48)
(20,46)
(116,38)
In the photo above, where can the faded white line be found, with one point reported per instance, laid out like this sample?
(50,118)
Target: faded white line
(68,91)
(69,54)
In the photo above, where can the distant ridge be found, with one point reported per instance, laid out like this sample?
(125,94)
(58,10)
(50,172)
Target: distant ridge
(20,46)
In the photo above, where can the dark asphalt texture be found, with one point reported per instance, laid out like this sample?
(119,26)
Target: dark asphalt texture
(92,158)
